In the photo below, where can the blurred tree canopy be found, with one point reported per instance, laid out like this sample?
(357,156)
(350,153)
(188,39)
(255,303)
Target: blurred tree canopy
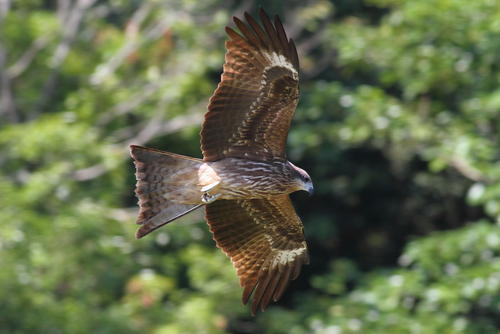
(398,125)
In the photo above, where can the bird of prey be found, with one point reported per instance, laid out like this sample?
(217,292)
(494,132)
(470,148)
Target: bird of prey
(244,179)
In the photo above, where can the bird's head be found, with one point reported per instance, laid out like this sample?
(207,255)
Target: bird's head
(303,180)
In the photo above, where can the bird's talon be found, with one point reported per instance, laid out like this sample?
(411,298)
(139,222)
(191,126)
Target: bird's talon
(207,198)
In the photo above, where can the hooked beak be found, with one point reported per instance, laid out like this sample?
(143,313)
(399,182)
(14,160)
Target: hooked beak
(310,190)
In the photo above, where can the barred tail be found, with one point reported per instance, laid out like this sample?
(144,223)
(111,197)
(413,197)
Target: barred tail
(166,187)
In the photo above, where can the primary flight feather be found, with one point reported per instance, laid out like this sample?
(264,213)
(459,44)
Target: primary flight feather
(244,179)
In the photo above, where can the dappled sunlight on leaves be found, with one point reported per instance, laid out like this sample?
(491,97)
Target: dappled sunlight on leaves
(397,125)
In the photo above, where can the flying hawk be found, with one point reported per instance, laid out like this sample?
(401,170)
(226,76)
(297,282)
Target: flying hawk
(244,179)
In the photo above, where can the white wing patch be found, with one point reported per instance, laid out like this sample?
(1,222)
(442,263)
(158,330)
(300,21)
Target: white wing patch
(275,60)
(280,60)
(288,256)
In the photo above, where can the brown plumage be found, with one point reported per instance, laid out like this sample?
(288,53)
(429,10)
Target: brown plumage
(250,112)
(244,178)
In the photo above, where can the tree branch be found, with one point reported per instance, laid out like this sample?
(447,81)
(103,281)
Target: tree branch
(154,128)
(70,24)
(467,170)
(27,58)
(130,104)
(132,43)
(7,104)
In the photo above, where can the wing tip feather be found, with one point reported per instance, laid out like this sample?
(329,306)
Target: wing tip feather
(232,33)
(265,271)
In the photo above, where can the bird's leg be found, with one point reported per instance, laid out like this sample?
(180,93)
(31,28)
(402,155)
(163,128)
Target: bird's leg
(208,198)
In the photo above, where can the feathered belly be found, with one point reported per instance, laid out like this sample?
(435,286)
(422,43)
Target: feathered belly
(239,178)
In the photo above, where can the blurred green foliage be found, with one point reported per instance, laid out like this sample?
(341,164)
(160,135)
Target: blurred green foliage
(398,125)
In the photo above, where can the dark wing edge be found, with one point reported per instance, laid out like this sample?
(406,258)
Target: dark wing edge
(257,94)
(264,239)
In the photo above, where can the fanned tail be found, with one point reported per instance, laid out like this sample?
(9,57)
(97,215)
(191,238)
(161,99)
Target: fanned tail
(166,187)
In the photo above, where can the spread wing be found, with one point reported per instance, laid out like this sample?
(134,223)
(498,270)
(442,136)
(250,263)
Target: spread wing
(264,239)
(250,112)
